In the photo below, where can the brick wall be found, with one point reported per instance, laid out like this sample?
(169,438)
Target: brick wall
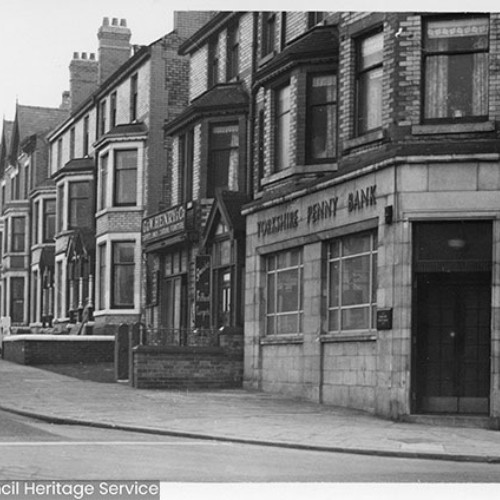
(36,351)
(186,368)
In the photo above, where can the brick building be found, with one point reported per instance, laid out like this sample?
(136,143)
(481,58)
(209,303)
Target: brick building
(373,232)
(109,163)
(27,244)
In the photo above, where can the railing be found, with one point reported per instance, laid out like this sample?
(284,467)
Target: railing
(180,337)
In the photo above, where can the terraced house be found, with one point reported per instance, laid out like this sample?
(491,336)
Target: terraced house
(109,162)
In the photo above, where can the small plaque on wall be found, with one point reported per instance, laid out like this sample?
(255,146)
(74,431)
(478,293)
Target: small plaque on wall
(384,319)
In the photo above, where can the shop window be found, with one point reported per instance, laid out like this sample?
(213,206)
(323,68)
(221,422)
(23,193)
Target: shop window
(49,220)
(233,52)
(456,68)
(222,258)
(79,205)
(369,82)
(17,300)
(18,234)
(282,128)
(284,297)
(352,282)
(122,278)
(268,33)
(223,158)
(213,62)
(102,276)
(103,182)
(134,96)
(125,180)
(322,117)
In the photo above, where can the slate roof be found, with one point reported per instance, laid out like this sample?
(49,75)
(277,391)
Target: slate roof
(225,98)
(36,120)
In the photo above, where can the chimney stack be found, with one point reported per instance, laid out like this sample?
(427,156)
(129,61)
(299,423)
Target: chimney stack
(188,22)
(114,46)
(65,101)
(83,78)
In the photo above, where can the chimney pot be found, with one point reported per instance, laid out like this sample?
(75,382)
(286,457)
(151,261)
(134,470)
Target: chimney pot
(115,21)
(76,55)
(123,22)
(92,56)
(84,55)
(105,21)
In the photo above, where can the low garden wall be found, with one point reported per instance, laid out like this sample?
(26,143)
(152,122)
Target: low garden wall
(195,367)
(58,349)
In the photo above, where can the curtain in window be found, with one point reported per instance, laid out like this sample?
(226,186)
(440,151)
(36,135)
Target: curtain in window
(436,87)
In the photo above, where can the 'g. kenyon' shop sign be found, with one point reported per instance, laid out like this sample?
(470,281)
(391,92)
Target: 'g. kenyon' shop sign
(163,224)
(316,212)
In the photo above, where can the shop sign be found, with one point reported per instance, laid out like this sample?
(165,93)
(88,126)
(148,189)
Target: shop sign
(202,291)
(164,224)
(317,212)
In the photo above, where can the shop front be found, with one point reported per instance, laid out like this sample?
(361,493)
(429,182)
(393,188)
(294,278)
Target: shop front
(378,291)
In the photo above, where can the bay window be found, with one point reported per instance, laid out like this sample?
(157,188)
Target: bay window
(122,277)
(79,205)
(282,128)
(125,181)
(456,68)
(322,117)
(223,158)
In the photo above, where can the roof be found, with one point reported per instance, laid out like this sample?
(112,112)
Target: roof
(85,165)
(7,131)
(35,120)
(225,98)
(208,29)
(229,205)
(320,43)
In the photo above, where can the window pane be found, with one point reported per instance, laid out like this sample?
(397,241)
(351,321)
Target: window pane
(457,34)
(356,281)
(334,284)
(323,120)
(288,290)
(356,319)
(371,51)
(126,177)
(370,100)
(123,274)
(352,245)
(323,89)
(288,323)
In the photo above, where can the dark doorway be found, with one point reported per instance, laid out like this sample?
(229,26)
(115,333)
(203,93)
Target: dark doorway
(452,311)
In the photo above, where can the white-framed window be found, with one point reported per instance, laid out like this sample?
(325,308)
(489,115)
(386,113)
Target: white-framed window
(282,128)
(122,274)
(284,292)
(125,177)
(352,282)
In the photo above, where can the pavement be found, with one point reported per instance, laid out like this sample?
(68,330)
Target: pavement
(238,415)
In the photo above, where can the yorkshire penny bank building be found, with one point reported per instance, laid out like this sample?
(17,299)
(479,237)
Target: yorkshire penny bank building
(372,259)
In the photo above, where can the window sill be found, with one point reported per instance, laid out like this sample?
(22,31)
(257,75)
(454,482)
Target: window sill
(369,138)
(358,336)
(130,208)
(453,128)
(293,338)
(299,170)
(265,59)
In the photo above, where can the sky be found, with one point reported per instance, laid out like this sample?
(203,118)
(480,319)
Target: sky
(38,37)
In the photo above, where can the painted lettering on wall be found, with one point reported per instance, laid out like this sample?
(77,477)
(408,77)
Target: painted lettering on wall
(322,210)
(362,198)
(278,223)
